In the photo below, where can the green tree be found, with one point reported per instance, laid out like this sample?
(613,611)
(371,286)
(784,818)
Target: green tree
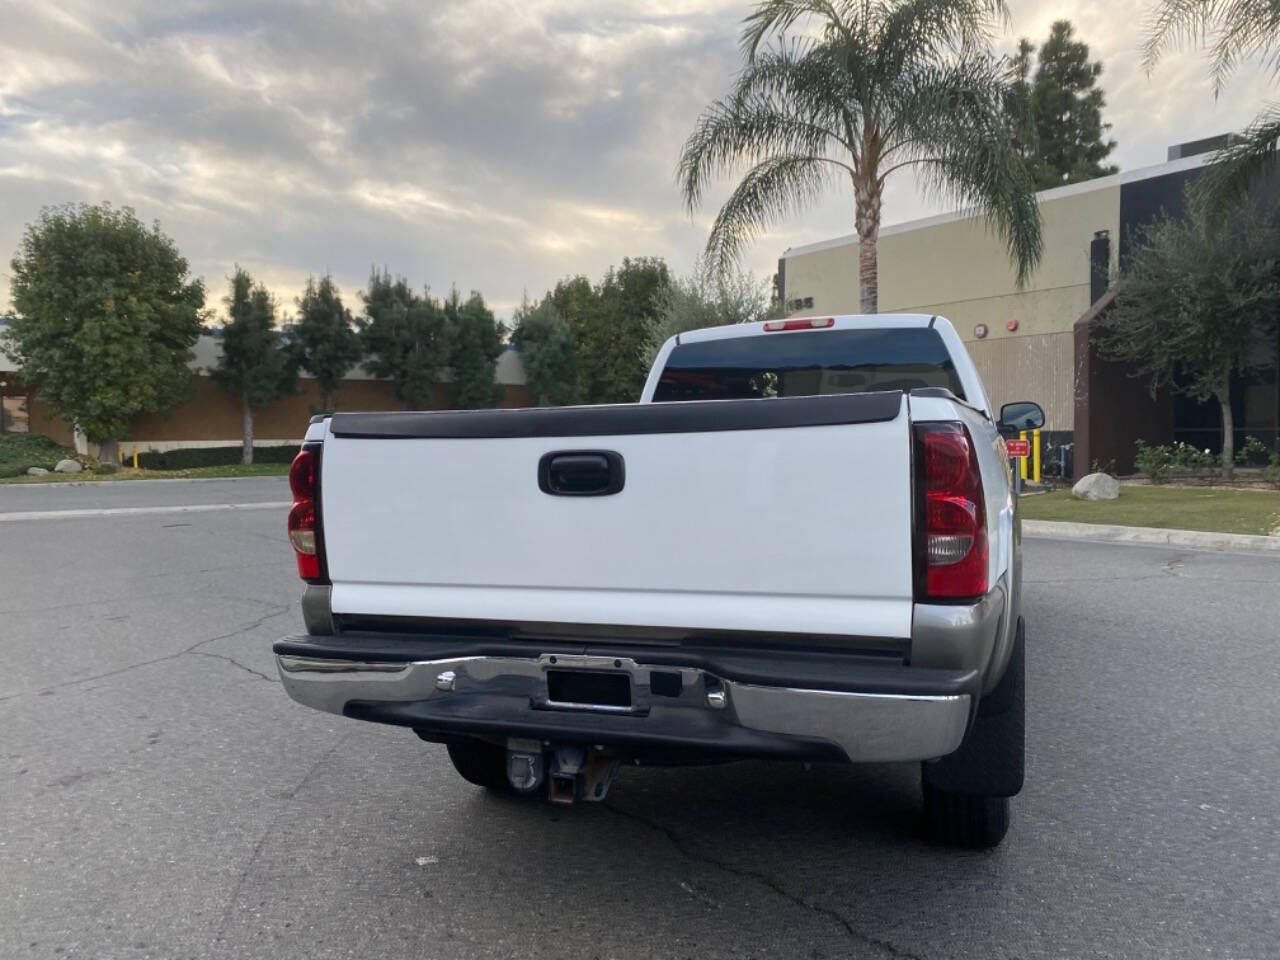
(1018,109)
(105,316)
(706,298)
(1193,308)
(611,353)
(544,340)
(1234,31)
(882,87)
(254,366)
(1057,118)
(609,323)
(582,308)
(475,343)
(323,339)
(405,336)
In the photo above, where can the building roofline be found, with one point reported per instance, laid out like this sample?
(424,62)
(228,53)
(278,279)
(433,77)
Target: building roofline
(1056,193)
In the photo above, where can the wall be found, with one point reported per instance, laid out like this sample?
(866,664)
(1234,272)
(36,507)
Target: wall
(1113,409)
(1035,368)
(954,266)
(211,414)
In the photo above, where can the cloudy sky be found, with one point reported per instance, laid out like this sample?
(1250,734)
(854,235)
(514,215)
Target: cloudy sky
(490,144)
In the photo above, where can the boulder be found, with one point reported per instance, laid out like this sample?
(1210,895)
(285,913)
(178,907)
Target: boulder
(36,471)
(67,466)
(1096,486)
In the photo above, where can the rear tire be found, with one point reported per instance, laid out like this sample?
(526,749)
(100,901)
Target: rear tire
(481,763)
(965,821)
(966,794)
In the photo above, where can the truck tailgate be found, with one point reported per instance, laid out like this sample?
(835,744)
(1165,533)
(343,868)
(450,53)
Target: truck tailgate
(770,515)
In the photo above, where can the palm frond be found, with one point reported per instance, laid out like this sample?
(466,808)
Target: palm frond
(1244,28)
(1226,183)
(784,104)
(1233,30)
(728,136)
(801,76)
(927,30)
(769,191)
(954,134)
(1174,24)
(775,17)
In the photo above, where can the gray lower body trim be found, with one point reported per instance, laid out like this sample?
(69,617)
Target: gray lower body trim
(964,637)
(317,610)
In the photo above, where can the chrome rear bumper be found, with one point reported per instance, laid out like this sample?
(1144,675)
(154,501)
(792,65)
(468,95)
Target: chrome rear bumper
(490,693)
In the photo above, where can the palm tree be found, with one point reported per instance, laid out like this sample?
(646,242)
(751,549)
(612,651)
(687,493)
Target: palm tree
(878,87)
(1233,30)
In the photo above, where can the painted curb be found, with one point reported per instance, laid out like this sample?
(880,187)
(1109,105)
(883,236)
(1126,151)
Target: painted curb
(130,481)
(1053,529)
(18,517)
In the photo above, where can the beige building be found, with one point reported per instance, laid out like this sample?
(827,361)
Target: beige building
(1027,343)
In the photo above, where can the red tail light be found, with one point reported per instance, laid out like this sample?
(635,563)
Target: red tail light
(952,518)
(304,516)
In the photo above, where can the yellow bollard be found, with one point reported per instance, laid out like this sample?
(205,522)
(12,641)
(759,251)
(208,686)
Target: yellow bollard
(1022,461)
(1035,455)
(135,456)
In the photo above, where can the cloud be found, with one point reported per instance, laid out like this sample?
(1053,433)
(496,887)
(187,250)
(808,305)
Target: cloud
(492,145)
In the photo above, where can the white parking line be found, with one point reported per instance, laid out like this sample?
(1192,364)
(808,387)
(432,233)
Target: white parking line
(137,511)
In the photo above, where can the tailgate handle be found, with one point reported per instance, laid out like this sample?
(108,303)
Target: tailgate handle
(581,473)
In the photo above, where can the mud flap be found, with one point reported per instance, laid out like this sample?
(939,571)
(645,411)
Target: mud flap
(991,761)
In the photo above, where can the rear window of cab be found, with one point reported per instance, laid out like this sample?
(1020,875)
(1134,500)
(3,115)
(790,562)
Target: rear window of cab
(807,363)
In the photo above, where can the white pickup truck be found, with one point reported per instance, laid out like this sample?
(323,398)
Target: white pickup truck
(801,543)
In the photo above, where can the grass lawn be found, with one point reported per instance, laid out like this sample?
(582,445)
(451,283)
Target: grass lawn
(1182,508)
(234,470)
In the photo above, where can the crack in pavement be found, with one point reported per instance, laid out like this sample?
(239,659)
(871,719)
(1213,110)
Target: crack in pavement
(234,663)
(262,840)
(193,649)
(766,881)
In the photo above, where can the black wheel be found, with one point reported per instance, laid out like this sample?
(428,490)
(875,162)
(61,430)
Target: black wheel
(481,763)
(966,795)
(965,821)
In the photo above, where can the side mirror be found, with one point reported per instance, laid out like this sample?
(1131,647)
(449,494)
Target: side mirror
(1023,415)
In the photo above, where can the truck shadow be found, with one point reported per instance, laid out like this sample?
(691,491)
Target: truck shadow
(805,803)
(837,850)
(745,859)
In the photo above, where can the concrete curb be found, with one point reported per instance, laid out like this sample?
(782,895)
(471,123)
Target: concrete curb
(18,517)
(1052,529)
(130,481)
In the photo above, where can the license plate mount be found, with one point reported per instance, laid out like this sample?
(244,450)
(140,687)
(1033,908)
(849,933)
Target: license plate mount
(589,690)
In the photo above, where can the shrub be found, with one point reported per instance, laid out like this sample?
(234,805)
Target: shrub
(1153,460)
(1254,453)
(212,457)
(105,468)
(1187,457)
(1157,461)
(1271,472)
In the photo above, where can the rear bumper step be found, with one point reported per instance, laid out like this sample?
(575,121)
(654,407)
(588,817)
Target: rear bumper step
(669,706)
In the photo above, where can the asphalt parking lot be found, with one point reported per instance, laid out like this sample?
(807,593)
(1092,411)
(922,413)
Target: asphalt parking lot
(163,798)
